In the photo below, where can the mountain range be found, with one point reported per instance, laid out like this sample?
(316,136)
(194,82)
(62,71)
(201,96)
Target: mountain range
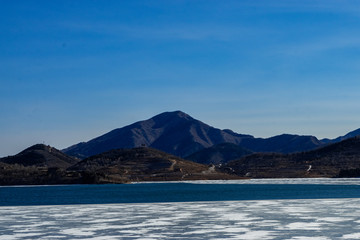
(179,134)
(155,149)
(42,164)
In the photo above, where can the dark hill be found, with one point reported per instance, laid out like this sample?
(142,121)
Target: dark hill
(330,161)
(41,155)
(172,132)
(179,134)
(143,164)
(39,164)
(219,154)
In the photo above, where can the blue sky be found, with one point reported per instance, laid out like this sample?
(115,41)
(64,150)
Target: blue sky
(73,70)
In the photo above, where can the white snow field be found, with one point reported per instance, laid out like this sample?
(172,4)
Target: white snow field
(275,219)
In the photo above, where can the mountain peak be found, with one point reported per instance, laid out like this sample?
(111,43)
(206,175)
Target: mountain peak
(38,146)
(173,132)
(168,116)
(178,113)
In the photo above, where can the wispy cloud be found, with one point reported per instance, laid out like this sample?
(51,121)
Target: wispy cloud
(194,32)
(338,6)
(319,46)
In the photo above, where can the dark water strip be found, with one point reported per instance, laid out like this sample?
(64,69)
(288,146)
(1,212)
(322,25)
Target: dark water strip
(168,192)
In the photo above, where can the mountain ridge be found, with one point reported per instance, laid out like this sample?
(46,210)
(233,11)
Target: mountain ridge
(173,132)
(180,134)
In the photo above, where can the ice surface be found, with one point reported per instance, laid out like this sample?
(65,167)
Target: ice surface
(329,181)
(266,219)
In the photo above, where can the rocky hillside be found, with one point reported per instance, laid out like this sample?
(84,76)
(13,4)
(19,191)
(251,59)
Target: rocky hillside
(39,164)
(219,154)
(42,164)
(333,160)
(144,164)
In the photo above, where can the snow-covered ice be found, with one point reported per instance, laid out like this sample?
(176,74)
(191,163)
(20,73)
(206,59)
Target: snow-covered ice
(265,219)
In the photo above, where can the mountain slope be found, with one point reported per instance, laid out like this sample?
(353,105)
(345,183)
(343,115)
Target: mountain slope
(179,134)
(173,132)
(327,161)
(219,154)
(346,136)
(41,155)
(285,143)
(142,164)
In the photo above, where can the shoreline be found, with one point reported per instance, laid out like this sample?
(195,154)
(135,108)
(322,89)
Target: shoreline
(320,180)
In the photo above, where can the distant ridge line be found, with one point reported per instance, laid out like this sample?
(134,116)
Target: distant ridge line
(180,134)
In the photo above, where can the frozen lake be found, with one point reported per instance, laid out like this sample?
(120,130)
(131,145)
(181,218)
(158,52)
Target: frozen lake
(274,219)
(326,218)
